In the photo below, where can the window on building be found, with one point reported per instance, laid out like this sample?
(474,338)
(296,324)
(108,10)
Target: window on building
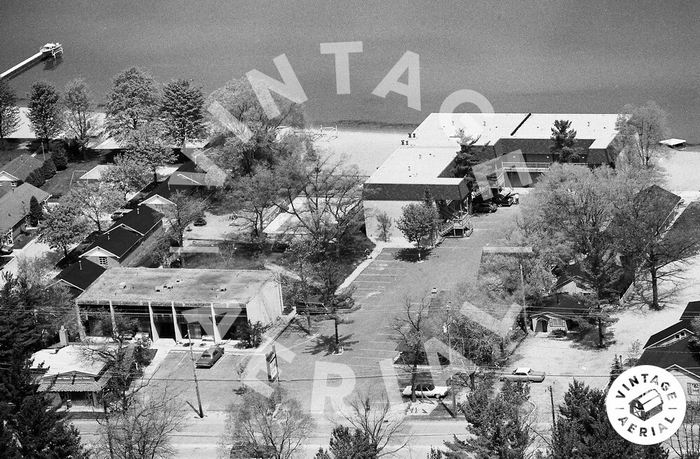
(102,261)
(693,389)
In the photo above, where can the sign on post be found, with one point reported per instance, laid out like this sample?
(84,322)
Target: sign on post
(272,368)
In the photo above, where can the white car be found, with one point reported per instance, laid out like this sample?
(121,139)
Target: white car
(427,390)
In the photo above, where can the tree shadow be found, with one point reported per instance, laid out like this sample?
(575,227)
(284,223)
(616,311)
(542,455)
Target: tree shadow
(411,255)
(325,344)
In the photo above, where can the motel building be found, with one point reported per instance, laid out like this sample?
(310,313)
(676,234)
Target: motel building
(512,150)
(178,304)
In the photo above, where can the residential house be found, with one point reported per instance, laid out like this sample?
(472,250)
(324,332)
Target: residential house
(16,171)
(71,374)
(675,350)
(14,209)
(559,311)
(176,303)
(117,245)
(79,275)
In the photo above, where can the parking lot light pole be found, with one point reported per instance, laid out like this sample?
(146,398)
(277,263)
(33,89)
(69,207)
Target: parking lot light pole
(194,372)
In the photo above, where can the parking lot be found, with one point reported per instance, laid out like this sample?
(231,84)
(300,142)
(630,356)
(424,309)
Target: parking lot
(368,337)
(217,384)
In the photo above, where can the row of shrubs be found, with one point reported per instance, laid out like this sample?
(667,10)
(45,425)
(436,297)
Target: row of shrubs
(57,162)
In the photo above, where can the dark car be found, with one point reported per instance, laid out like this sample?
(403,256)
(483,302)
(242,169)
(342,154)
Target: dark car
(506,199)
(312,306)
(483,207)
(210,357)
(200,222)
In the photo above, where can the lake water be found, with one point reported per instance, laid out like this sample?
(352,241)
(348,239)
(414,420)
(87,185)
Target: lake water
(523,56)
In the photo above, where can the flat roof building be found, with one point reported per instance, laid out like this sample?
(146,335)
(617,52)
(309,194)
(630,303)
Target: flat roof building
(513,149)
(172,303)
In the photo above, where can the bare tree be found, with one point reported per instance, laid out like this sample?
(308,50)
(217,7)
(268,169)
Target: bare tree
(371,416)
(383,225)
(641,128)
(325,199)
(644,236)
(411,327)
(686,441)
(187,208)
(270,427)
(142,430)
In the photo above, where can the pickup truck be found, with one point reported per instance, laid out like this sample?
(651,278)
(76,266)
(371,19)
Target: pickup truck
(524,374)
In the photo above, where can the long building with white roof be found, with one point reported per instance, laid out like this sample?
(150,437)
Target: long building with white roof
(515,151)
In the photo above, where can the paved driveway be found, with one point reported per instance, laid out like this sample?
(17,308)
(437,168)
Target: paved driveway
(368,340)
(216,384)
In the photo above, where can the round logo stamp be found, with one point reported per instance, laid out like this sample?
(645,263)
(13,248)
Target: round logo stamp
(646,405)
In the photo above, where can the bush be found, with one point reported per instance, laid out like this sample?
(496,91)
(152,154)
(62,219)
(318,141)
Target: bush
(36,178)
(59,158)
(252,334)
(36,213)
(48,169)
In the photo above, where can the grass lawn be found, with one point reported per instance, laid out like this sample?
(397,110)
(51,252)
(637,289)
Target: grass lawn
(60,183)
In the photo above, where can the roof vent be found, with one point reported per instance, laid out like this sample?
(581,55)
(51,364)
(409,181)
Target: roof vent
(158,288)
(222,288)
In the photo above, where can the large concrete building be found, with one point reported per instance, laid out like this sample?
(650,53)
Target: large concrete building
(515,150)
(172,303)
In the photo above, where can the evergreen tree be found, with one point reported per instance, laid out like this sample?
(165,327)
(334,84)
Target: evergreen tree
(36,212)
(348,443)
(499,430)
(59,159)
(48,169)
(45,111)
(9,113)
(563,146)
(583,430)
(183,111)
(29,427)
(467,157)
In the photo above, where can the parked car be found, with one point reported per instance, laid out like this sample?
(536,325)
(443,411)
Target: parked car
(200,221)
(524,374)
(427,390)
(311,306)
(483,207)
(506,199)
(210,357)
(6,249)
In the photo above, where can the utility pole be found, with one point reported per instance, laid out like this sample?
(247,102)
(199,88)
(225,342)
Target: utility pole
(196,383)
(551,399)
(522,294)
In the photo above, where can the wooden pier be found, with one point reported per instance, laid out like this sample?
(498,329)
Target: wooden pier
(51,50)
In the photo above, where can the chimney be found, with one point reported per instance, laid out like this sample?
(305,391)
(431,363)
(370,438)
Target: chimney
(63,336)
(138,209)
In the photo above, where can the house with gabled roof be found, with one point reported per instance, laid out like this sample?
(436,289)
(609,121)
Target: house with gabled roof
(143,220)
(16,171)
(14,209)
(111,248)
(79,275)
(675,350)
